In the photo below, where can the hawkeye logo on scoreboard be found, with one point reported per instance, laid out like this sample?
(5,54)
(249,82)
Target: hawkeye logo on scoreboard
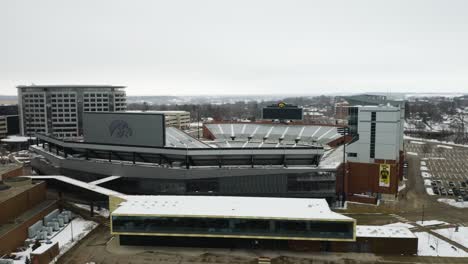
(384,175)
(281,105)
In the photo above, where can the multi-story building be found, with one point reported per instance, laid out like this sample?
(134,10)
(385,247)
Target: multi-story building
(58,109)
(9,125)
(177,119)
(376,151)
(341,110)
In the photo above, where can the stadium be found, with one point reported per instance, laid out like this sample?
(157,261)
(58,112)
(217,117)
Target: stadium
(267,159)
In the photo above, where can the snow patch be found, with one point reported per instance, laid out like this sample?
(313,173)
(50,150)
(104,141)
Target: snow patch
(429,245)
(424,168)
(430,191)
(425,174)
(400,224)
(401,187)
(417,142)
(453,203)
(103,212)
(412,153)
(445,146)
(461,237)
(431,223)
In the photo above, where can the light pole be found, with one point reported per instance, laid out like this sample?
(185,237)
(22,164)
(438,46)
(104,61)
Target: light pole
(71,229)
(343,131)
(198,121)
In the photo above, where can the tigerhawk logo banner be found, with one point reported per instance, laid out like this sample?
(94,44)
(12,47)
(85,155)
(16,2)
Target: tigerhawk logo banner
(384,175)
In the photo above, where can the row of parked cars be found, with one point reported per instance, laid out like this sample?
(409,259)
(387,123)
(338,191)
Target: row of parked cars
(461,191)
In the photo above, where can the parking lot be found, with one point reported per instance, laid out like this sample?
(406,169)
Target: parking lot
(444,168)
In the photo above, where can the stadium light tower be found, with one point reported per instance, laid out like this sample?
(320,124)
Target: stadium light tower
(344,131)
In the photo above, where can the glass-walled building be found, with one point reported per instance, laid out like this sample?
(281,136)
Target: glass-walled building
(230,217)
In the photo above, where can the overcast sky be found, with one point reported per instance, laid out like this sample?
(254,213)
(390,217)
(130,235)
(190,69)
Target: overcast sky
(237,47)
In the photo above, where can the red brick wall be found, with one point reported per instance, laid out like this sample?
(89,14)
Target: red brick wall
(13,173)
(364,177)
(15,238)
(22,202)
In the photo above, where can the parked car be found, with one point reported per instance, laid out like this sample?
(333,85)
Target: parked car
(450,192)
(433,183)
(462,191)
(463,184)
(456,192)
(459,199)
(443,192)
(436,190)
(451,184)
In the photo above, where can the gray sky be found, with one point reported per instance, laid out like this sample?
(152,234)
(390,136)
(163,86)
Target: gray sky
(237,47)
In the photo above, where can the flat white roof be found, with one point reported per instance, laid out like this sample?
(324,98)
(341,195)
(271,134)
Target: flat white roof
(17,139)
(383,231)
(229,206)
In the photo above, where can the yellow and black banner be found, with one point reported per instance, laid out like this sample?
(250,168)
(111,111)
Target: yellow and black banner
(384,175)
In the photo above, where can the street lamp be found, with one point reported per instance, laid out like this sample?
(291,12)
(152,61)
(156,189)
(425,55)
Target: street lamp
(71,229)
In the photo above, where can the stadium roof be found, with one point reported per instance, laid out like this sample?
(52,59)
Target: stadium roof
(229,207)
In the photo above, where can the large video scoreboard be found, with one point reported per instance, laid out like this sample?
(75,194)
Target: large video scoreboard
(282,111)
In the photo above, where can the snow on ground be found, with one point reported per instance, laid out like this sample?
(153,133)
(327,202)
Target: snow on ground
(424,168)
(22,256)
(81,228)
(444,146)
(423,163)
(461,237)
(422,140)
(412,153)
(427,182)
(430,191)
(425,174)
(417,142)
(401,187)
(429,245)
(431,223)
(103,212)
(400,224)
(454,203)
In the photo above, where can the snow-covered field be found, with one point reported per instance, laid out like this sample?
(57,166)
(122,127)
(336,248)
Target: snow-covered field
(461,237)
(429,245)
(431,223)
(412,153)
(454,203)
